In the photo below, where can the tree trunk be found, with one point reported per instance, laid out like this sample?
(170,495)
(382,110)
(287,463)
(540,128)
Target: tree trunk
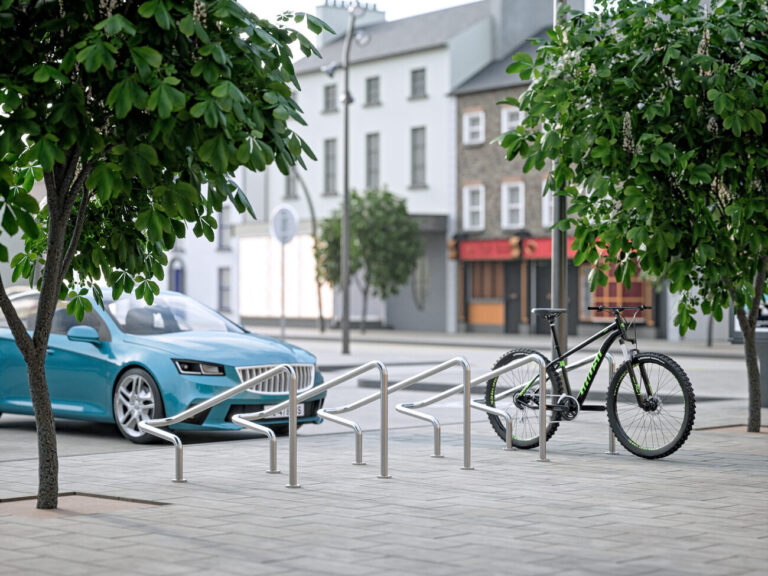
(48,465)
(365,307)
(753,371)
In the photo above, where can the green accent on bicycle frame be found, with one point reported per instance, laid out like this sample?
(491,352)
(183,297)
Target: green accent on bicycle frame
(525,388)
(562,363)
(591,372)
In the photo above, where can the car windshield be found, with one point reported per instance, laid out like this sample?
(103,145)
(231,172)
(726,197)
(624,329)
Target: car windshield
(169,313)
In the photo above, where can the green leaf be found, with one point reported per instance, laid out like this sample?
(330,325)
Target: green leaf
(166,99)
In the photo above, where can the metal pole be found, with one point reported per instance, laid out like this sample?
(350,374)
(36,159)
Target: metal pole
(345,213)
(543,411)
(559,249)
(467,415)
(293,481)
(384,375)
(282,291)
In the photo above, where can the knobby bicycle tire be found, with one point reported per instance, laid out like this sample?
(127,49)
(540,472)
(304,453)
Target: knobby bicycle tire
(664,422)
(525,427)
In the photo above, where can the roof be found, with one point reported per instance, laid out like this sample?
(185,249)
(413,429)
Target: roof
(408,35)
(494,76)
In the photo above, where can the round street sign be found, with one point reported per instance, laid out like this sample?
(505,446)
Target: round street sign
(283,223)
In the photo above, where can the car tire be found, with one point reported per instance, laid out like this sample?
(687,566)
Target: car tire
(136,397)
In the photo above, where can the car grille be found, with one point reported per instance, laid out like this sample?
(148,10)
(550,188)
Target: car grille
(279,384)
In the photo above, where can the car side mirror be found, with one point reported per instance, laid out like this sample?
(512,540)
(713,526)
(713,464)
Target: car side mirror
(83,334)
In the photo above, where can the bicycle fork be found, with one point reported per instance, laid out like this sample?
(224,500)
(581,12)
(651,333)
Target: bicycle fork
(628,357)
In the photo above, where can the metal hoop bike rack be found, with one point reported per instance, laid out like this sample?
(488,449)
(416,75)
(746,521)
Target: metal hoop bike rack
(331,414)
(411,408)
(153,426)
(295,399)
(543,406)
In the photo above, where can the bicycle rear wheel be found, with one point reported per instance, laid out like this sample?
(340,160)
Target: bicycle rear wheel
(662,421)
(524,408)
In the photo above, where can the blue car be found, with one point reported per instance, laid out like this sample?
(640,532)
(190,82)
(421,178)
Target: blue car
(131,362)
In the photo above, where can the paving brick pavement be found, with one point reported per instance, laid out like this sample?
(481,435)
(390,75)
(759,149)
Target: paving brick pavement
(702,511)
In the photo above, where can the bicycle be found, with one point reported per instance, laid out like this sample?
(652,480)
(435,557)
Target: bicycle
(651,416)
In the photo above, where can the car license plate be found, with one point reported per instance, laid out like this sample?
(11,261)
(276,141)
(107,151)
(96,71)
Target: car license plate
(284,413)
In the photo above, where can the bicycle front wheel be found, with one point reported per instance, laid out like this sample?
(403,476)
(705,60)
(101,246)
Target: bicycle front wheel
(652,425)
(508,392)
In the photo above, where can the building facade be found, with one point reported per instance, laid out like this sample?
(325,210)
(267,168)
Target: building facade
(402,136)
(503,244)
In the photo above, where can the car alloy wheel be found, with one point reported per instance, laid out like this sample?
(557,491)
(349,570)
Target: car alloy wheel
(136,398)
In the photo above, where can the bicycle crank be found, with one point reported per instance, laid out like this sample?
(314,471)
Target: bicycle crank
(567,407)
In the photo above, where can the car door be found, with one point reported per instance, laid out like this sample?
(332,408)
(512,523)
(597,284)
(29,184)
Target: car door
(14,387)
(80,374)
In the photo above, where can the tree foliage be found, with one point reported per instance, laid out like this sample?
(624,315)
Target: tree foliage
(656,115)
(384,244)
(136,115)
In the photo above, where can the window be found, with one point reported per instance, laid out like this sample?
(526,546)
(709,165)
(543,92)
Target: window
(512,205)
(225,295)
(62,322)
(329,178)
(547,206)
(419,83)
(418,157)
(290,186)
(511,118)
(473,207)
(473,128)
(225,229)
(372,160)
(372,91)
(177,275)
(330,101)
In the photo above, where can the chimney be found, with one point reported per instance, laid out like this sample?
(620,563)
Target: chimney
(335,13)
(517,20)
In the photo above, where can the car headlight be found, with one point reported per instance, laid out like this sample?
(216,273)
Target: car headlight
(193,367)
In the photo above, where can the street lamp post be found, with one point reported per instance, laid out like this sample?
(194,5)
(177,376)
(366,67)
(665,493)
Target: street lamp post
(559,247)
(355,11)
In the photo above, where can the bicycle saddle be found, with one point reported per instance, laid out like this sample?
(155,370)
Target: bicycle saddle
(549,313)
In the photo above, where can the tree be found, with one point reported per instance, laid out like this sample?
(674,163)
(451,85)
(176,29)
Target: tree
(655,112)
(384,245)
(136,114)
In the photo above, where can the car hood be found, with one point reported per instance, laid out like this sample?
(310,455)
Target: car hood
(224,348)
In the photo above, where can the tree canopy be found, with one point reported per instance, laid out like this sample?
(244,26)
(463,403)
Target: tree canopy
(655,112)
(136,115)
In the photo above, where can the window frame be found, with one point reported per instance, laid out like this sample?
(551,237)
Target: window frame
(373,165)
(373,97)
(418,79)
(506,204)
(224,290)
(330,167)
(418,157)
(468,209)
(466,131)
(330,98)
(504,121)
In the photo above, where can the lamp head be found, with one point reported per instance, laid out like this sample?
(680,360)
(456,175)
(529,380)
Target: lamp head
(330,68)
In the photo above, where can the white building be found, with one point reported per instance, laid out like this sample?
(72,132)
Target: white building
(402,136)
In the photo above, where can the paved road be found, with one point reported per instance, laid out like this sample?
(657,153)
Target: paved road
(702,511)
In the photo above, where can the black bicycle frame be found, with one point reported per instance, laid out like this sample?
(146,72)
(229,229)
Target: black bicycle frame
(613,331)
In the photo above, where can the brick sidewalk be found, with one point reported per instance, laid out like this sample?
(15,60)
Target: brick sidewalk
(702,511)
